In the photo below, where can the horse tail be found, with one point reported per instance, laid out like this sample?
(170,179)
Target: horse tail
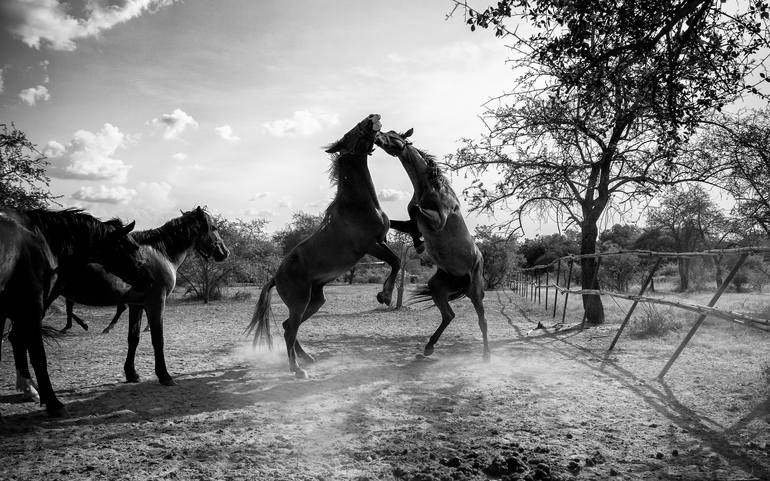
(458,287)
(263,314)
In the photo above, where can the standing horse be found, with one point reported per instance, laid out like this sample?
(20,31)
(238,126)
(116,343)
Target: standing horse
(41,252)
(162,251)
(354,225)
(434,214)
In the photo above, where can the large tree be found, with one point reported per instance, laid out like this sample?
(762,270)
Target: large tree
(741,141)
(608,91)
(23,178)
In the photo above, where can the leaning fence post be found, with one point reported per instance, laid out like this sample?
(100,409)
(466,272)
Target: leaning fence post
(702,317)
(556,290)
(645,284)
(566,294)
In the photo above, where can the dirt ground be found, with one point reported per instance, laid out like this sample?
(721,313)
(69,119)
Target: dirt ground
(550,405)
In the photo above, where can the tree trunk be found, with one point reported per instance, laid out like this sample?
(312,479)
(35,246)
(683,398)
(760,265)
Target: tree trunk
(592,304)
(718,274)
(684,274)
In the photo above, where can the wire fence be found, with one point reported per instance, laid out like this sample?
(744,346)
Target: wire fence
(530,283)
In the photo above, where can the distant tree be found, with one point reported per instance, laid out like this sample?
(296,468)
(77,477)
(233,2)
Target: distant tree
(253,259)
(546,249)
(298,229)
(495,249)
(691,220)
(23,179)
(622,235)
(608,93)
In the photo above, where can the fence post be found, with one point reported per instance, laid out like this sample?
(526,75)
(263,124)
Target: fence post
(539,287)
(566,294)
(702,317)
(645,284)
(556,290)
(546,289)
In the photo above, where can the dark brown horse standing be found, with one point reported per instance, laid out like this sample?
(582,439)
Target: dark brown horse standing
(161,250)
(354,225)
(434,214)
(40,252)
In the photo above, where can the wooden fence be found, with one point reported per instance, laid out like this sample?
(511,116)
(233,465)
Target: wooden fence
(530,283)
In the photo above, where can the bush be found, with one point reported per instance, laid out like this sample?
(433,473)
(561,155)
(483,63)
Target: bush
(374,279)
(241,296)
(652,323)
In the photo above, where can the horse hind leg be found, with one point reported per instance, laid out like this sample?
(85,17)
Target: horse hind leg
(317,299)
(440,289)
(384,253)
(134,333)
(475,293)
(118,312)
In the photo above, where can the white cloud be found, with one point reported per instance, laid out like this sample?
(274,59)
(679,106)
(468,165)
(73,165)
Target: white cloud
(317,205)
(179,156)
(260,195)
(391,195)
(2,80)
(104,194)
(44,65)
(32,95)
(89,156)
(285,203)
(174,124)
(303,122)
(39,22)
(226,132)
(259,213)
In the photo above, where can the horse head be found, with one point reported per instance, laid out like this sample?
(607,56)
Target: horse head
(209,243)
(360,139)
(119,253)
(392,142)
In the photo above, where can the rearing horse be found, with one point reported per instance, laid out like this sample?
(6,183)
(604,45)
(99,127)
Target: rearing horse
(354,225)
(434,213)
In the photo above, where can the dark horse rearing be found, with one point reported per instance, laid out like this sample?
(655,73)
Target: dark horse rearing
(354,225)
(40,252)
(434,214)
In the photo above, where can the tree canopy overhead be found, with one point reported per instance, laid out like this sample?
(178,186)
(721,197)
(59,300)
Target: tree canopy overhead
(23,178)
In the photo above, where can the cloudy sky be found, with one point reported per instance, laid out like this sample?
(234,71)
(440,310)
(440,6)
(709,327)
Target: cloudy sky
(145,107)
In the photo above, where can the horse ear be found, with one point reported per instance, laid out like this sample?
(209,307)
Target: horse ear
(408,133)
(125,229)
(333,148)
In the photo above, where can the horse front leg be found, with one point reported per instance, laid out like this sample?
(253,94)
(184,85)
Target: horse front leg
(31,338)
(155,321)
(134,333)
(476,294)
(410,227)
(70,305)
(24,382)
(382,251)
(440,289)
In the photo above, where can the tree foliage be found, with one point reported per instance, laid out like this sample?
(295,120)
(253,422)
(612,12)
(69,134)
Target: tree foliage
(496,251)
(299,228)
(23,179)
(253,259)
(608,93)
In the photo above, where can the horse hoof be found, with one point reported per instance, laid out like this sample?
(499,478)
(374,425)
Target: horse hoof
(30,394)
(167,382)
(132,377)
(428,351)
(56,410)
(300,374)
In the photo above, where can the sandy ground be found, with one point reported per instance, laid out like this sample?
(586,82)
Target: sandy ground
(548,405)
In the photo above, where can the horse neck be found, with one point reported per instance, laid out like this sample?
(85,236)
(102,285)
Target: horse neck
(354,182)
(173,240)
(416,167)
(68,239)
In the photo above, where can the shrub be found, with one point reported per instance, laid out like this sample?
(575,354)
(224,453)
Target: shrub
(241,296)
(653,323)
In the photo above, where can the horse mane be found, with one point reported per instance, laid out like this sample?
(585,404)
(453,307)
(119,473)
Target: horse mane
(173,236)
(334,169)
(70,231)
(434,174)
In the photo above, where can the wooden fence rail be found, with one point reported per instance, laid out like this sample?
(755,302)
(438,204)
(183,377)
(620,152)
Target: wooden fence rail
(527,282)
